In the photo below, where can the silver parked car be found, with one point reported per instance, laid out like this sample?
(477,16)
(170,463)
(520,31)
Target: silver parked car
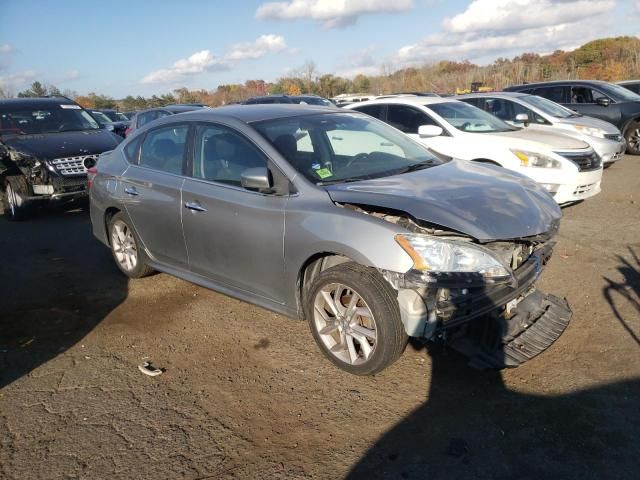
(538,113)
(338,218)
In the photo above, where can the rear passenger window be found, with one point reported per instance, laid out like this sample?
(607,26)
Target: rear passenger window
(556,94)
(163,149)
(407,119)
(222,155)
(373,110)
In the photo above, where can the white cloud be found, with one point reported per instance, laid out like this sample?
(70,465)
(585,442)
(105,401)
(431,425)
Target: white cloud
(517,15)
(199,62)
(205,61)
(262,46)
(488,29)
(71,75)
(330,13)
(6,48)
(17,80)
(360,62)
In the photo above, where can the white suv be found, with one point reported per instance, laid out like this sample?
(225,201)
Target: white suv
(568,168)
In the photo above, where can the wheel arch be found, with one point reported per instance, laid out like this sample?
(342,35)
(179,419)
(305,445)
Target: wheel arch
(309,271)
(109,213)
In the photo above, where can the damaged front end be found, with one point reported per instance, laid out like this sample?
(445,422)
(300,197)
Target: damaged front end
(494,315)
(48,179)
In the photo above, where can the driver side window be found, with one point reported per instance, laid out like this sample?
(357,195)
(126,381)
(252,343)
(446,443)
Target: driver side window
(221,155)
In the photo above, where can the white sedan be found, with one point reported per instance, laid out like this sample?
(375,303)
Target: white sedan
(566,167)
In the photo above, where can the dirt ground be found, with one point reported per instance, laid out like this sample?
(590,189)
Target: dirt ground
(246,393)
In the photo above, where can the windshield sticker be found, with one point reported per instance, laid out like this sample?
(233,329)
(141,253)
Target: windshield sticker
(324,173)
(67,106)
(316,166)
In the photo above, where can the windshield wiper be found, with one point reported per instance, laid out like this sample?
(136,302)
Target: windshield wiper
(344,180)
(418,166)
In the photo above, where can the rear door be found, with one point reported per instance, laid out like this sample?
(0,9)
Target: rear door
(234,236)
(150,191)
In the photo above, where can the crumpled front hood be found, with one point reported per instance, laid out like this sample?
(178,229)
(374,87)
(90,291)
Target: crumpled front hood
(64,144)
(483,201)
(555,141)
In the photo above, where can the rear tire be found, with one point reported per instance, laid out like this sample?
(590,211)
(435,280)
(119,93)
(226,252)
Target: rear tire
(126,248)
(632,136)
(354,318)
(14,202)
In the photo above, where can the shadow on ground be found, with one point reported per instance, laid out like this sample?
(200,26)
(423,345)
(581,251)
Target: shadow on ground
(473,427)
(56,284)
(628,290)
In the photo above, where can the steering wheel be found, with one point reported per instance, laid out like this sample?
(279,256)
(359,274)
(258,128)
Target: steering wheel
(465,125)
(359,157)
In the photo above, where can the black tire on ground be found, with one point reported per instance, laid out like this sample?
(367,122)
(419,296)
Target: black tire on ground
(141,268)
(632,136)
(14,203)
(607,165)
(380,297)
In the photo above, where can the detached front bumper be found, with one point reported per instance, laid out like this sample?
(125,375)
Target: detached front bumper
(609,150)
(496,325)
(429,306)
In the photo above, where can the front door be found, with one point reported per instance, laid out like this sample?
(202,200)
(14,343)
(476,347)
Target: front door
(234,236)
(150,191)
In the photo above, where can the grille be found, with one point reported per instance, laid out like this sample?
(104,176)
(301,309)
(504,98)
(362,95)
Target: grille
(584,161)
(613,136)
(73,165)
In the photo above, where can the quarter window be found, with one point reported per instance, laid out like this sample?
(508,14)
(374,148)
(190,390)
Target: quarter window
(222,155)
(163,149)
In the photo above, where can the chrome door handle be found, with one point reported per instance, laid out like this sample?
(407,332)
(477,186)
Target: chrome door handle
(195,206)
(131,191)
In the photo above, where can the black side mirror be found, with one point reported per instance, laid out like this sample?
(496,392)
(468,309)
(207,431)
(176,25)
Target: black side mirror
(603,101)
(257,178)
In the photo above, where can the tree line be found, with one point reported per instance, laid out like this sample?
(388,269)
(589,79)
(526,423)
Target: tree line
(610,59)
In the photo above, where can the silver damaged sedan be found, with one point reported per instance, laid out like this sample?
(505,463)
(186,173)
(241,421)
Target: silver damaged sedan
(337,218)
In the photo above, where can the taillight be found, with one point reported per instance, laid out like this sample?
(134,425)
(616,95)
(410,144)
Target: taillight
(91,175)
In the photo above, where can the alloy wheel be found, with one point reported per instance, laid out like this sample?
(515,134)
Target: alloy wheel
(124,245)
(345,323)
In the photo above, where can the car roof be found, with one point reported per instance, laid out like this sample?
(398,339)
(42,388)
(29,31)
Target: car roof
(172,109)
(37,101)
(558,82)
(259,112)
(408,100)
(493,94)
(628,82)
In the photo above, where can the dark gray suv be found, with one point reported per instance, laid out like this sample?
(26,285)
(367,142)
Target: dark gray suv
(336,217)
(607,101)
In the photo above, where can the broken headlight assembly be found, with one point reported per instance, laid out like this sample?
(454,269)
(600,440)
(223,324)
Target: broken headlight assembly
(437,259)
(533,159)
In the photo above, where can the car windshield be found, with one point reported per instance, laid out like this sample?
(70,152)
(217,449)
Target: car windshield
(468,118)
(121,117)
(619,93)
(46,118)
(548,107)
(101,118)
(342,147)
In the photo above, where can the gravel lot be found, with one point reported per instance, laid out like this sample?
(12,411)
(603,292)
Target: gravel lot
(247,394)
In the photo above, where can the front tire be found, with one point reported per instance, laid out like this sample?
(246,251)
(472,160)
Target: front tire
(354,318)
(14,200)
(127,249)
(632,136)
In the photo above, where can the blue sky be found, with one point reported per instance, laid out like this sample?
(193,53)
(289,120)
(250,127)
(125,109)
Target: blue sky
(141,48)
